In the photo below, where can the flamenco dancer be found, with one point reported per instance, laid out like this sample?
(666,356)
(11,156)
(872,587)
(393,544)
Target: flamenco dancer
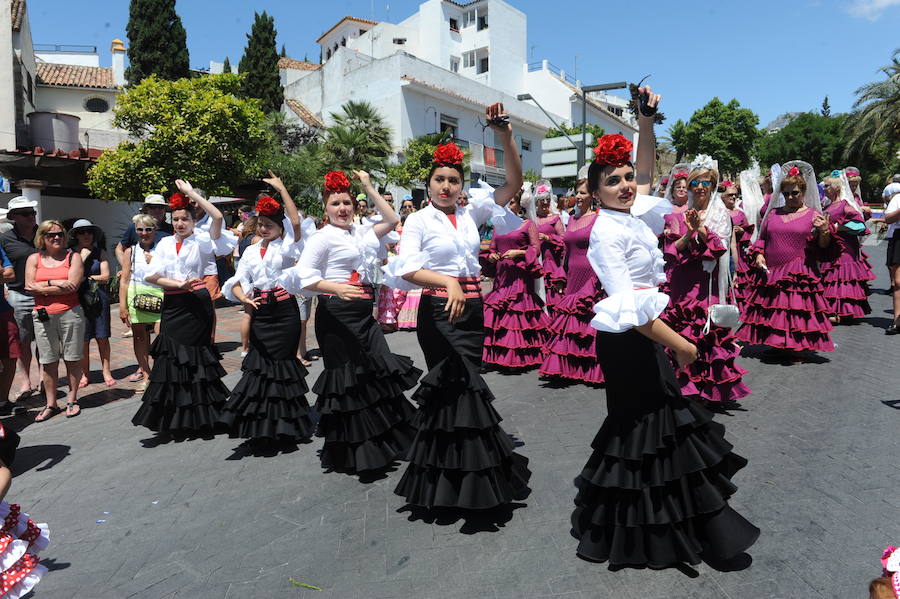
(570,355)
(677,187)
(697,254)
(364,415)
(186,391)
(787,310)
(847,276)
(515,324)
(460,458)
(268,404)
(655,490)
(550,232)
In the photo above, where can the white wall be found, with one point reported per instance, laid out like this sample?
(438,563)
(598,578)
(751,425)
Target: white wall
(7,93)
(507,31)
(85,59)
(112,217)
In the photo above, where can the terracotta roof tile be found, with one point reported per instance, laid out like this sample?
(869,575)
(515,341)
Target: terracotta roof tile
(336,25)
(68,75)
(18,13)
(290,63)
(304,113)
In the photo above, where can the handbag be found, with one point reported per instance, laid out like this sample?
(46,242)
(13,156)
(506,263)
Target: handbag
(144,302)
(89,291)
(723,315)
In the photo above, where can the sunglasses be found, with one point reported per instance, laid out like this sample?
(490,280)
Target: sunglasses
(27,213)
(696,183)
(55,235)
(729,195)
(793,194)
(144,229)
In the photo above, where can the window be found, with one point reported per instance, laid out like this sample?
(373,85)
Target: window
(482,22)
(96,105)
(454,25)
(454,64)
(449,123)
(468,59)
(483,65)
(399,41)
(362,31)
(344,42)
(30,88)
(526,145)
(469,18)
(328,54)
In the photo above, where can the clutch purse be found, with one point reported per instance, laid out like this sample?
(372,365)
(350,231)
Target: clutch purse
(147,303)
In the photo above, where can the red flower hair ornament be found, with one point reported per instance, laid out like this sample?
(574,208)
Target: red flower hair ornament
(680,175)
(177,201)
(336,182)
(267,206)
(448,155)
(613,150)
(794,172)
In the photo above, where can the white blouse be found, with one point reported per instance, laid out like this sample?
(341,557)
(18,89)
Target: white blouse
(203,225)
(333,253)
(430,241)
(266,272)
(624,253)
(140,266)
(191,261)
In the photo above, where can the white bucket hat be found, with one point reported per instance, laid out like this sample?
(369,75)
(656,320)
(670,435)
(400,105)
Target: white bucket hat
(20,202)
(155,199)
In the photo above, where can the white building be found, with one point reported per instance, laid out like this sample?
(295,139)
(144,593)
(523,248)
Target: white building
(439,69)
(55,120)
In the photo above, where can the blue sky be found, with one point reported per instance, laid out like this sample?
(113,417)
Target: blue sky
(772,56)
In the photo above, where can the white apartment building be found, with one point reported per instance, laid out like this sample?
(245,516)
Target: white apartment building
(439,69)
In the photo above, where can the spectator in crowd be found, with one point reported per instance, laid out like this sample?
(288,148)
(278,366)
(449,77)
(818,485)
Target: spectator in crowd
(244,213)
(132,284)
(154,205)
(84,239)
(407,206)
(9,331)
(892,189)
(18,243)
(247,238)
(52,277)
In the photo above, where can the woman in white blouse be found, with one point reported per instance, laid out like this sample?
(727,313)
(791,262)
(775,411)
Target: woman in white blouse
(654,491)
(364,416)
(460,458)
(186,391)
(268,405)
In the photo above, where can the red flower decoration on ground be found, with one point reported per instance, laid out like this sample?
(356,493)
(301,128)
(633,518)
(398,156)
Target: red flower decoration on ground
(336,182)
(448,154)
(177,201)
(267,206)
(613,150)
(794,172)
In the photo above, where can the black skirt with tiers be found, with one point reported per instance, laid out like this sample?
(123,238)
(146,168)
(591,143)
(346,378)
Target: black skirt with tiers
(364,416)
(655,490)
(268,402)
(186,391)
(460,458)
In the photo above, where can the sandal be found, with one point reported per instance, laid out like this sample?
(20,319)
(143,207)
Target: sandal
(312,354)
(136,377)
(72,409)
(47,413)
(26,393)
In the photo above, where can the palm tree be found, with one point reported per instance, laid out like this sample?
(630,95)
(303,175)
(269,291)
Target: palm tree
(876,113)
(358,139)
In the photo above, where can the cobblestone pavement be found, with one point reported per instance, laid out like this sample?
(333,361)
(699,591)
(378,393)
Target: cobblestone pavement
(200,519)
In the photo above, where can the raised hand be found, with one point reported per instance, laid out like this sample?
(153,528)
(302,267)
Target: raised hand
(273,181)
(184,186)
(494,111)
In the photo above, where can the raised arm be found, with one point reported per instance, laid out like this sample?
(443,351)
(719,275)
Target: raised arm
(514,179)
(389,218)
(215,229)
(290,208)
(646,152)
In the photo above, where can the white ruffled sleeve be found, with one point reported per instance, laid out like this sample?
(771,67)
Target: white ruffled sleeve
(652,210)
(410,258)
(625,307)
(242,276)
(309,270)
(163,254)
(482,208)
(223,246)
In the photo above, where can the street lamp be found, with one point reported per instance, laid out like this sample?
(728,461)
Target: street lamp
(585,90)
(524,97)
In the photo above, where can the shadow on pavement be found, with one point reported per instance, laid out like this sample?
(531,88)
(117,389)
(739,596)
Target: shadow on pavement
(45,456)
(474,521)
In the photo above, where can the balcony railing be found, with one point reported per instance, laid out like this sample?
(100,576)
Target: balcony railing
(65,48)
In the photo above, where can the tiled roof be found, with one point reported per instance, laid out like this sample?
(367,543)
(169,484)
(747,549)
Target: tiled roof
(84,154)
(338,24)
(290,63)
(68,75)
(18,13)
(304,113)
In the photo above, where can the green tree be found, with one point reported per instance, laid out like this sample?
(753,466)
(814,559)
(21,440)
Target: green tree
(283,51)
(157,42)
(417,159)
(726,132)
(876,113)
(811,137)
(826,107)
(358,139)
(296,155)
(195,129)
(226,66)
(259,65)
(575,131)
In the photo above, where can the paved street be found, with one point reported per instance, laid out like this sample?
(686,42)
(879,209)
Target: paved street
(199,519)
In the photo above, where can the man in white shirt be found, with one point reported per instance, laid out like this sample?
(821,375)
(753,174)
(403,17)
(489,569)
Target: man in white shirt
(892,188)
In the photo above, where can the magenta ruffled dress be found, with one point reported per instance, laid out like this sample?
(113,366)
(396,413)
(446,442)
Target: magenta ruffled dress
(787,308)
(515,325)
(552,259)
(571,352)
(846,276)
(714,376)
(743,273)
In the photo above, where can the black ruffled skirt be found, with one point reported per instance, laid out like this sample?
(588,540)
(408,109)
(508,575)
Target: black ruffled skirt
(460,458)
(268,402)
(364,416)
(655,490)
(186,391)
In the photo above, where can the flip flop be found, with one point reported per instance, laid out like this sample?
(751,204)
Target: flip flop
(136,377)
(69,409)
(53,411)
(310,355)
(26,393)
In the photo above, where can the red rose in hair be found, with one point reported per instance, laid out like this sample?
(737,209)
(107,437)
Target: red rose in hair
(177,201)
(613,150)
(267,206)
(336,182)
(448,154)
(794,172)
(681,175)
